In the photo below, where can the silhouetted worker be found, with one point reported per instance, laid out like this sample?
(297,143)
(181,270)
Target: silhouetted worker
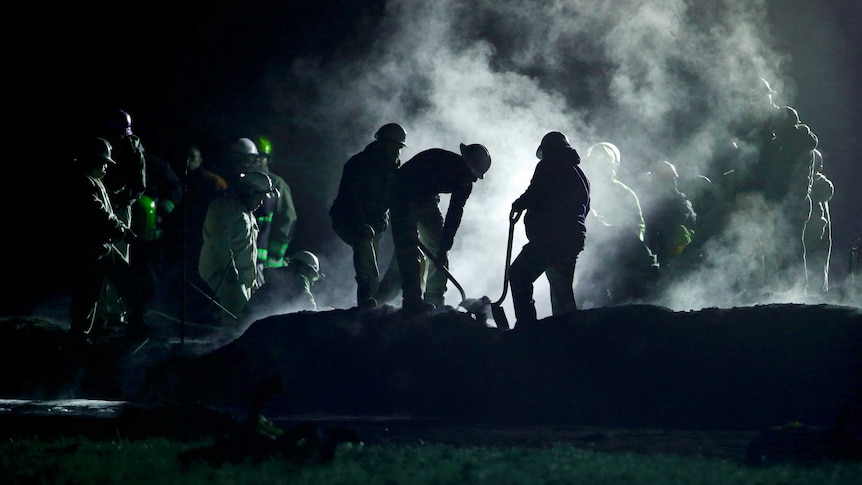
(360,212)
(617,228)
(126,180)
(556,202)
(416,215)
(100,261)
(150,216)
(200,187)
(277,217)
(817,230)
(670,218)
(228,259)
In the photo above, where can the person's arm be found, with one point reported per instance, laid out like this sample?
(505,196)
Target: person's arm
(453,216)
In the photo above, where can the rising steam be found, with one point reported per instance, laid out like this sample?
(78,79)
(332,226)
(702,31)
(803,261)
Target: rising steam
(664,80)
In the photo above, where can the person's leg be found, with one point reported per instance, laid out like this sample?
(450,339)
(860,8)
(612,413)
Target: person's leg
(367,273)
(430,231)
(85,298)
(561,276)
(523,272)
(128,286)
(390,282)
(364,261)
(405,238)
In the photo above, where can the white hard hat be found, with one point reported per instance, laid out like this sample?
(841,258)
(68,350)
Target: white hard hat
(244,146)
(308,258)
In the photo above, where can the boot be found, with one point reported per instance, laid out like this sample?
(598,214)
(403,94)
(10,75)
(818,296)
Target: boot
(416,306)
(365,293)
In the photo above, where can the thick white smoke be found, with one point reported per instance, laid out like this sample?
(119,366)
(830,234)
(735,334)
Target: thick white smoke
(664,80)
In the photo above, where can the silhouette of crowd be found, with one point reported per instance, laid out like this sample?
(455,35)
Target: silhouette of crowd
(216,239)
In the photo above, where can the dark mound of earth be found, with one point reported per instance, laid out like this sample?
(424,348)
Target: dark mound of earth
(637,366)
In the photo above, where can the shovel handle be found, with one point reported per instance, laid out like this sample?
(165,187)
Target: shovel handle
(513,218)
(442,268)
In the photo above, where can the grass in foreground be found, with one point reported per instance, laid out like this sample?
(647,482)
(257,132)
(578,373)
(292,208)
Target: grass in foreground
(154,460)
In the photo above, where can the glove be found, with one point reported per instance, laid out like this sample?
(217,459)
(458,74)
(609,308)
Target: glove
(519,204)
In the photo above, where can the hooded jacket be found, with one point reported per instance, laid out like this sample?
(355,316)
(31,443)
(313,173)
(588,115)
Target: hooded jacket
(557,201)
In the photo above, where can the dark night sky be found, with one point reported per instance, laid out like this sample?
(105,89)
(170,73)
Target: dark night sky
(197,73)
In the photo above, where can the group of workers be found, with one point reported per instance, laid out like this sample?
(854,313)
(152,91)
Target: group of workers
(238,220)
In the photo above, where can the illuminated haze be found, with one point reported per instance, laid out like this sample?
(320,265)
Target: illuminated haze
(664,80)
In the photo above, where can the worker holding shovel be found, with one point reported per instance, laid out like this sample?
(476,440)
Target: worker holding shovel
(556,202)
(415,211)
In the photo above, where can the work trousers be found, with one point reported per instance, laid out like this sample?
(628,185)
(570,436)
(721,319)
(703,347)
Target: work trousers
(113,268)
(413,222)
(558,266)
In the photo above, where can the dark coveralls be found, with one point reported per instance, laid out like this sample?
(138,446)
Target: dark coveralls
(415,213)
(557,202)
(363,200)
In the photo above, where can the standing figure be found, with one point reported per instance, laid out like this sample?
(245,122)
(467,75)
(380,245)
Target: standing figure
(669,215)
(126,180)
(817,230)
(360,212)
(416,215)
(99,261)
(200,187)
(557,202)
(229,253)
(150,221)
(277,217)
(629,268)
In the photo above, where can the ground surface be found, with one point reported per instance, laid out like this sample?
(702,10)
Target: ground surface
(638,378)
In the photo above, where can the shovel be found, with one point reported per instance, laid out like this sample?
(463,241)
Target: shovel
(475,306)
(497,310)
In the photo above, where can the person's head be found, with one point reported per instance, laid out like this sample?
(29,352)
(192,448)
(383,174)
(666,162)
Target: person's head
(95,157)
(243,155)
(663,174)
(603,157)
(306,263)
(552,142)
(393,137)
(194,159)
(264,150)
(253,188)
(118,124)
(477,159)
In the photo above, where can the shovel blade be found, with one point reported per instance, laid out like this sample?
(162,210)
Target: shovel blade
(499,315)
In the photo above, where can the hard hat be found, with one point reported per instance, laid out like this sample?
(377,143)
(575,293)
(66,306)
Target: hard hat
(264,146)
(119,122)
(604,152)
(477,158)
(392,132)
(664,169)
(100,149)
(308,259)
(552,140)
(257,182)
(244,146)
